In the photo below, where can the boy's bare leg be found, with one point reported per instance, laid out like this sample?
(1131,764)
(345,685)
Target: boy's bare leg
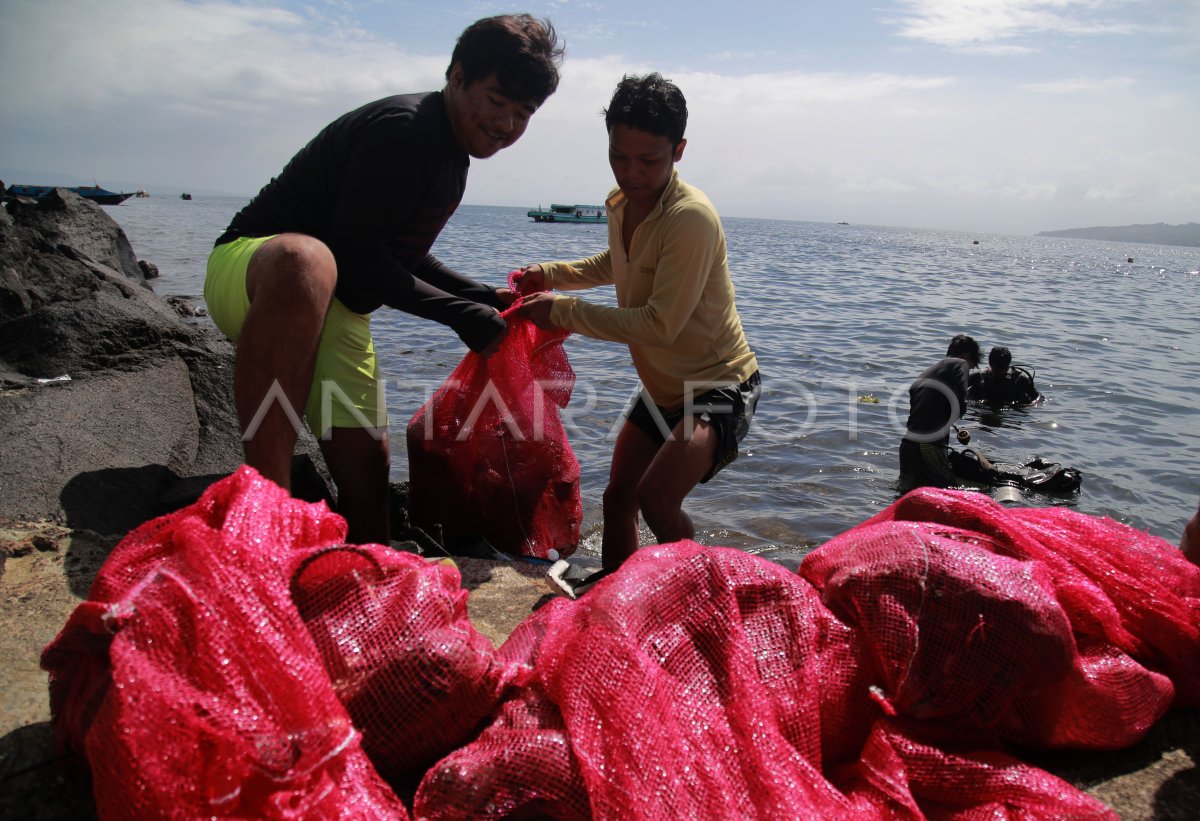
(359,464)
(290,282)
(1190,542)
(677,468)
(632,455)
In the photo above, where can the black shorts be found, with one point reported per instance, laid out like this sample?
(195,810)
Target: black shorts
(728,409)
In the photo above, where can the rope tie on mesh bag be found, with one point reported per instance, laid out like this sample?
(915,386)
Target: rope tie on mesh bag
(512,486)
(876,692)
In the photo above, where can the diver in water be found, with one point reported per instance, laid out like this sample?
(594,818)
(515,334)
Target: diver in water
(936,401)
(1003,385)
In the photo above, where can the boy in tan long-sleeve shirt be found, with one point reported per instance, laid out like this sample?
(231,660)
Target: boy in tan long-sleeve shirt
(676,312)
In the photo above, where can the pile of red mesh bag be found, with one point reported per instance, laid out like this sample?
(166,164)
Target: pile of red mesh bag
(488,454)
(883,681)
(236,660)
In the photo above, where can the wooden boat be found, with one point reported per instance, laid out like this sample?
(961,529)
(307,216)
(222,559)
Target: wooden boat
(92,192)
(569,213)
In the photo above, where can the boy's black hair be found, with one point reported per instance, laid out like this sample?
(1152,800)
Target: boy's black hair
(522,51)
(999,358)
(649,104)
(964,347)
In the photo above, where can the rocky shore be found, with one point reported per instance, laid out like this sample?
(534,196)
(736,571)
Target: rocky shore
(116,407)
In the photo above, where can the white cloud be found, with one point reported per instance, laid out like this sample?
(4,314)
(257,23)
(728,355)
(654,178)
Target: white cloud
(245,55)
(987,25)
(217,95)
(1112,193)
(889,149)
(777,90)
(876,186)
(1188,194)
(744,131)
(1024,192)
(165,84)
(1075,85)
(728,56)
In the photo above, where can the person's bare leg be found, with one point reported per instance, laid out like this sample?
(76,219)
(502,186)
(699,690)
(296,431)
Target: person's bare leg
(677,468)
(359,464)
(290,282)
(632,454)
(1190,542)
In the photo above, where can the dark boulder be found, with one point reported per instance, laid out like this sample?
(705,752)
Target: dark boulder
(62,217)
(113,408)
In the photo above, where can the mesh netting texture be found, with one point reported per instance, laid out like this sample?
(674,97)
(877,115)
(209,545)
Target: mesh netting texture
(883,681)
(235,659)
(488,454)
(189,681)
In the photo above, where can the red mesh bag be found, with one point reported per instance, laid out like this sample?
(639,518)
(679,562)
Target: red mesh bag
(694,683)
(1120,587)
(393,632)
(488,455)
(189,681)
(919,770)
(706,683)
(207,673)
(521,766)
(964,636)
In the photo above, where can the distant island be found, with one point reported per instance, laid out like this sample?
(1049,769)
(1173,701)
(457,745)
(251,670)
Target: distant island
(1158,234)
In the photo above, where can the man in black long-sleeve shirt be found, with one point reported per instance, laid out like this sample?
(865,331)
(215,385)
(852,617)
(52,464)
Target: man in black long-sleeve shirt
(346,228)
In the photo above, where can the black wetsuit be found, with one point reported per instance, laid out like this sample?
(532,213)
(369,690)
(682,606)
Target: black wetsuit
(1014,387)
(377,186)
(936,401)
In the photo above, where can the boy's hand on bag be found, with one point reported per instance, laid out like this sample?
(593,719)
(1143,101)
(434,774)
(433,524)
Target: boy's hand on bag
(536,309)
(530,280)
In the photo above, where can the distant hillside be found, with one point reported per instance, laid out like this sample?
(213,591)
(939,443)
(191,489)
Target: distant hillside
(1158,234)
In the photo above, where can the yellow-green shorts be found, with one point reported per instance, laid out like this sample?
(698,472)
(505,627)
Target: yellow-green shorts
(347,391)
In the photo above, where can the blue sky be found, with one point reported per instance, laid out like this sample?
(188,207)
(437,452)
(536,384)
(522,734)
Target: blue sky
(1008,116)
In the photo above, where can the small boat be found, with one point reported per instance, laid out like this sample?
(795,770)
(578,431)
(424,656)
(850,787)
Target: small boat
(569,213)
(92,192)
(185,196)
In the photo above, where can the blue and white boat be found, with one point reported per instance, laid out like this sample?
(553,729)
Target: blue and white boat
(569,213)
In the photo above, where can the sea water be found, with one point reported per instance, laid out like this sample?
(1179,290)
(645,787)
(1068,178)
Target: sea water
(840,315)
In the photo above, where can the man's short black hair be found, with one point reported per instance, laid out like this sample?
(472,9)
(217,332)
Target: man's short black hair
(999,358)
(522,51)
(964,347)
(649,104)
